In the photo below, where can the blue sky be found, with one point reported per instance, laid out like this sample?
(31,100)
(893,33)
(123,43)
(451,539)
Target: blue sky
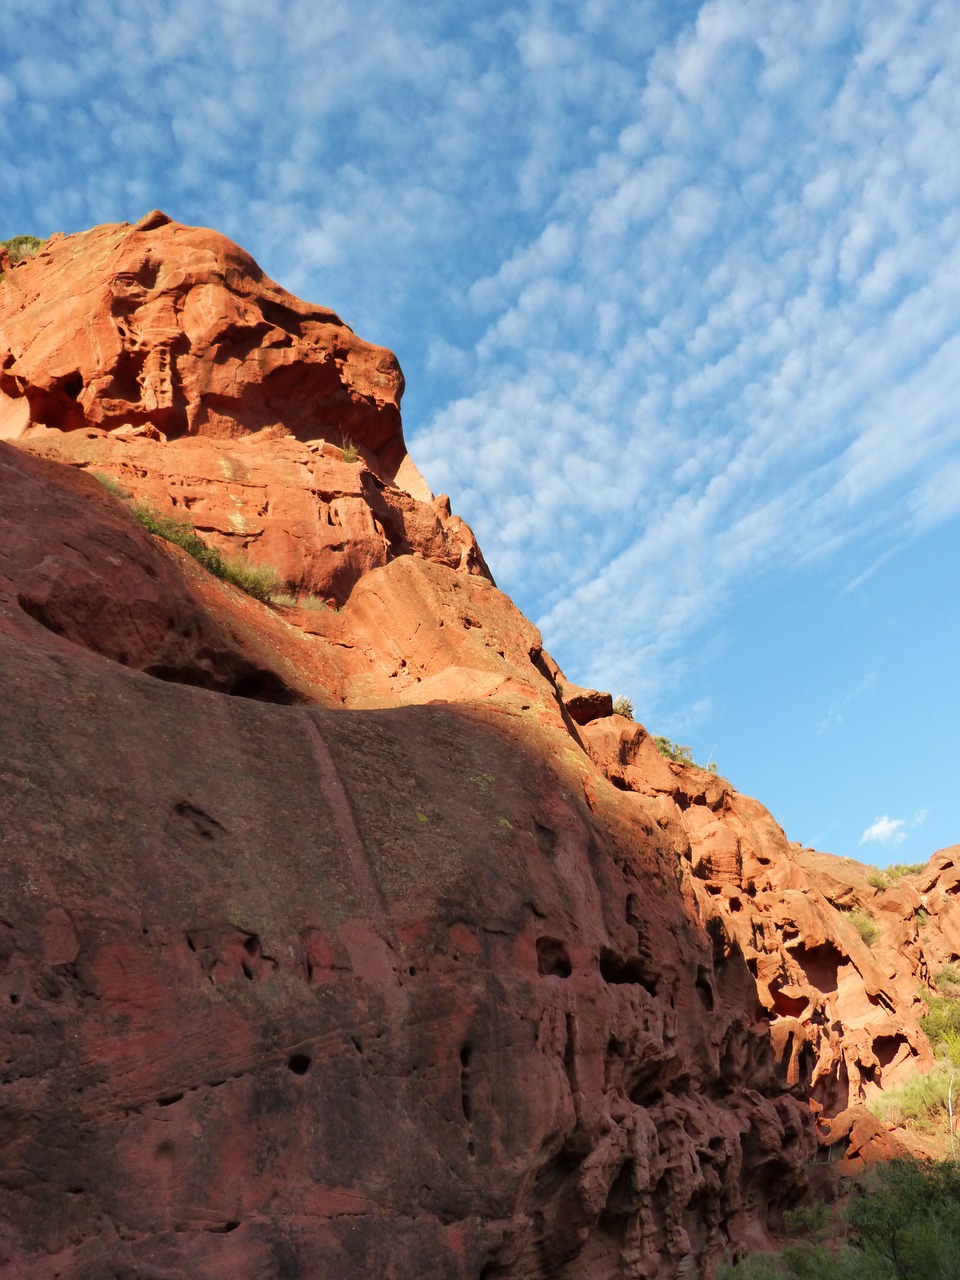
(676,289)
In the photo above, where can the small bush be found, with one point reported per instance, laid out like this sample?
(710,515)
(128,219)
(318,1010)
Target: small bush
(20,247)
(622,706)
(290,601)
(942,1018)
(948,1051)
(181,533)
(349,452)
(672,750)
(878,880)
(901,869)
(257,580)
(865,925)
(906,1218)
(949,976)
(808,1220)
(678,754)
(920,1103)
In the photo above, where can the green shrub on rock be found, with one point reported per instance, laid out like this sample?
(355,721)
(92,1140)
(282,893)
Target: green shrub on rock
(261,581)
(906,1224)
(258,580)
(20,247)
(865,925)
(678,754)
(942,1018)
(180,531)
(921,1103)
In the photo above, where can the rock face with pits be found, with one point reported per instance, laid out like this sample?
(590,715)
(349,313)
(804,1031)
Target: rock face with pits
(290,988)
(354,941)
(842,1007)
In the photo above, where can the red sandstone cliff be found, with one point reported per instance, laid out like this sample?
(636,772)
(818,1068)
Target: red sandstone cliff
(357,942)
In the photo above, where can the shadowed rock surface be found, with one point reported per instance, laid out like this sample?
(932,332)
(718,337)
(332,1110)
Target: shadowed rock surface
(359,942)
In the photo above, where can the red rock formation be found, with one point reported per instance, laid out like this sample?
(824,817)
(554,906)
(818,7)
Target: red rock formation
(843,1015)
(177,329)
(326,949)
(288,990)
(936,893)
(320,521)
(179,370)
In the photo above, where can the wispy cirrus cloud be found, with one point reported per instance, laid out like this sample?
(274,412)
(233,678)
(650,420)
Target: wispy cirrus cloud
(834,714)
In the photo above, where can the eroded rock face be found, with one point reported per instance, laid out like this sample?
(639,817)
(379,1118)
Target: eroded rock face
(293,991)
(355,941)
(161,356)
(843,1014)
(177,328)
(320,521)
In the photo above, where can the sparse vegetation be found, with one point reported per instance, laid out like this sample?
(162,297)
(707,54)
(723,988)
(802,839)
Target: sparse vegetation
(680,755)
(622,706)
(306,601)
(901,869)
(947,979)
(20,247)
(922,1103)
(808,1220)
(941,1023)
(181,533)
(928,1102)
(865,925)
(349,452)
(890,875)
(905,1219)
(259,581)
(111,485)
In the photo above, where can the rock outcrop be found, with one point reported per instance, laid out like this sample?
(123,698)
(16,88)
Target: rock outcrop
(175,367)
(843,1014)
(356,941)
(176,330)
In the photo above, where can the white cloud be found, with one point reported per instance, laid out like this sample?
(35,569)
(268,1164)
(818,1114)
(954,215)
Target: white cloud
(884,831)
